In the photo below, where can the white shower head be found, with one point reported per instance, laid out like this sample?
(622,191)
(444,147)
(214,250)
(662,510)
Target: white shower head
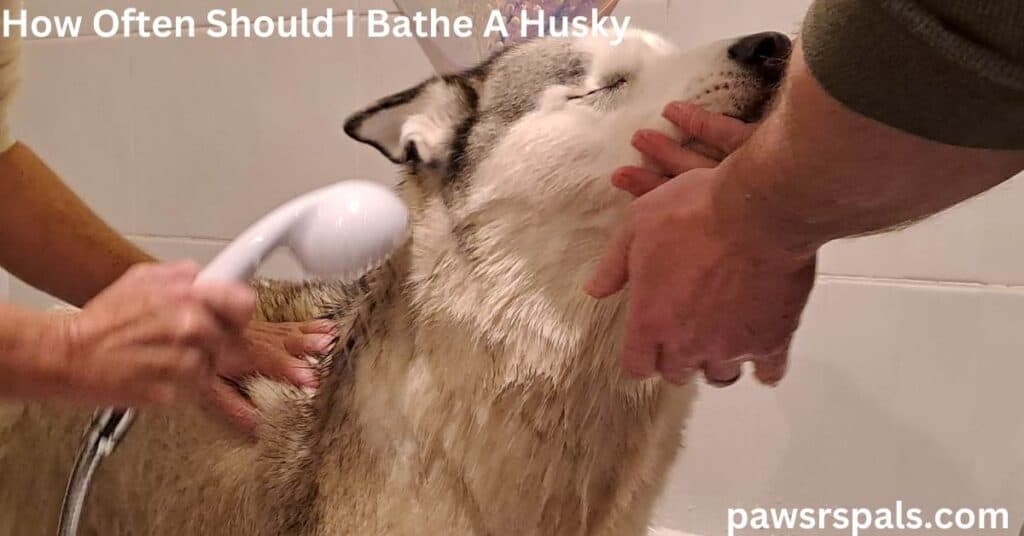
(342,231)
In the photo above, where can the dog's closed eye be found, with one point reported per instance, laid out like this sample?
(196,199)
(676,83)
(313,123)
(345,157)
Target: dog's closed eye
(616,83)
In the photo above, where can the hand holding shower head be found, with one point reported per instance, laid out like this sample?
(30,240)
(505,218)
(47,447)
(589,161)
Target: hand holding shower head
(342,230)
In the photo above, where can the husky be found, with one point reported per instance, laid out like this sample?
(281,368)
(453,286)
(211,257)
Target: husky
(475,389)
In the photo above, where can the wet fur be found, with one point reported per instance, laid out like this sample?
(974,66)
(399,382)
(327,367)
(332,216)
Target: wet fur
(474,390)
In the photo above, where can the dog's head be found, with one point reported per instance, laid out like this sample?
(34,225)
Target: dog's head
(512,159)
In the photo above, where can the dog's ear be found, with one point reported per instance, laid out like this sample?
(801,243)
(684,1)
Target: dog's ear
(416,126)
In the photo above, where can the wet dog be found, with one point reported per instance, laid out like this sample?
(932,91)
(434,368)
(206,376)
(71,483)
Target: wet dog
(475,389)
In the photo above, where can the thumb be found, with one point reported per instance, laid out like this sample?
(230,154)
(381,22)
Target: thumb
(233,303)
(612,272)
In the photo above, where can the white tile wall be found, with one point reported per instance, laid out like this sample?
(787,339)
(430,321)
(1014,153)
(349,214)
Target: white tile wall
(903,383)
(976,241)
(256,121)
(279,265)
(897,392)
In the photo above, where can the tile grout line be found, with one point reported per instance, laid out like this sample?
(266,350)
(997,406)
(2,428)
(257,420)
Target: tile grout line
(204,240)
(951,284)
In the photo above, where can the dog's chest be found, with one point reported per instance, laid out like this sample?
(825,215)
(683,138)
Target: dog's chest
(458,435)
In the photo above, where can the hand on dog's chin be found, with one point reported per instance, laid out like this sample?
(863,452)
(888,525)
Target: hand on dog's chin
(672,225)
(709,139)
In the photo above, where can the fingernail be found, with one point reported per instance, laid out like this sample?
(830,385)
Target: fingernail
(621,178)
(642,137)
(307,377)
(770,381)
(637,374)
(723,383)
(678,377)
(324,343)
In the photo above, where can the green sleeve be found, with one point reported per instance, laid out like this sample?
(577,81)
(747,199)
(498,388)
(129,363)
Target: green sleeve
(947,70)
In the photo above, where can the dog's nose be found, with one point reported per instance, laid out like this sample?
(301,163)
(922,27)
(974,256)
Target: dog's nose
(765,52)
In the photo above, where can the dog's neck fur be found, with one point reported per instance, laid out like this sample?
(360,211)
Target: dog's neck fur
(500,389)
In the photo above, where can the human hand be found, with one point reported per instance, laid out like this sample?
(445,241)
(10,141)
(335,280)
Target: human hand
(290,350)
(287,351)
(154,337)
(704,295)
(707,139)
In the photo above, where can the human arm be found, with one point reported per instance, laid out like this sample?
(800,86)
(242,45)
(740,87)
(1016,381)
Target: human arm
(55,242)
(153,337)
(50,238)
(815,171)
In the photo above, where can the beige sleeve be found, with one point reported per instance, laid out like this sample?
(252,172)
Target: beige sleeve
(10,60)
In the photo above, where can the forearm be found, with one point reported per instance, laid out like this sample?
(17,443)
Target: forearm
(49,238)
(30,353)
(815,171)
